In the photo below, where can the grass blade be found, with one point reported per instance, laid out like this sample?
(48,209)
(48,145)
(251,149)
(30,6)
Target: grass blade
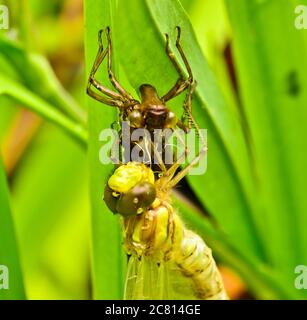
(53,226)
(269,64)
(9,254)
(228,179)
(35,72)
(262,280)
(43,108)
(108,257)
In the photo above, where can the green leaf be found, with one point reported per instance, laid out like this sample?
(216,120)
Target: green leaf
(43,108)
(7,105)
(49,194)
(213,39)
(270,57)
(261,280)
(8,252)
(227,188)
(108,258)
(35,72)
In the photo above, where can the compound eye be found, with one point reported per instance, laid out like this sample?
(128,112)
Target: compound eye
(171,120)
(136,119)
(137,199)
(110,198)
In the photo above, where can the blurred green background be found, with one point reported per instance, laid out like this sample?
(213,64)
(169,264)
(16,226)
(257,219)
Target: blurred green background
(56,235)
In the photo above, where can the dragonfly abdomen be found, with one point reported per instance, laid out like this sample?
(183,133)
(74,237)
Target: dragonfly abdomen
(195,261)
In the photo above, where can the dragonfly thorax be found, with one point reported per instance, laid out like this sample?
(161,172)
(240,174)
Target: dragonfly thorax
(153,233)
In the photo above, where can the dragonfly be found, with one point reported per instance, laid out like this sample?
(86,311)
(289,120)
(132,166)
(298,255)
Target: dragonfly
(166,259)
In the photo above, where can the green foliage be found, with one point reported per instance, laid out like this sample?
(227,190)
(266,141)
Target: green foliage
(228,159)
(230,185)
(49,188)
(41,107)
(35,72)
(272,79)
(8,250)
(254,188)
(53,227)
(108,258)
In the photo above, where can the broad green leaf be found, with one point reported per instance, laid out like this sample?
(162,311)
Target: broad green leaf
(227,188)
(108,258)
(270,57)
(261,280)
(49,195)
(9,256)
(214,39)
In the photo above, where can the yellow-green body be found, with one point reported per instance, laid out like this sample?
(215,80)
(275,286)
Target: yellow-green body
(167,261)
(158,239)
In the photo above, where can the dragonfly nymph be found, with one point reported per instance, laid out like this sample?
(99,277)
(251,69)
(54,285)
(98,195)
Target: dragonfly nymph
(150,112)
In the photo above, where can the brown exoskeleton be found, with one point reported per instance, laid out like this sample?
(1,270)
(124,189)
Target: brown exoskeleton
(151,112)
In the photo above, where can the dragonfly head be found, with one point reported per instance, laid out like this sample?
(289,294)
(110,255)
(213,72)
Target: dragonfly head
(152,113)
(131,189)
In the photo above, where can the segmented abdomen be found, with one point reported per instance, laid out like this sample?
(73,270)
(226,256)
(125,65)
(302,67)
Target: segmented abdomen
(194,259)
(161,236)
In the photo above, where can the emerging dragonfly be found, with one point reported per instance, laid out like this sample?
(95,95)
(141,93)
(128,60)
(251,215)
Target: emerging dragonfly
(167,261)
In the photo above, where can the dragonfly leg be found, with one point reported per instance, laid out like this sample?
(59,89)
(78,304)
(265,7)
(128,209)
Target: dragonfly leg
(181,124)
(100,98)
(181,83)
(157,156)
(92,81)
(114,99)
(112,78)
(161,153)
(187,121)
(171,179)
(168,175)
(185,170)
